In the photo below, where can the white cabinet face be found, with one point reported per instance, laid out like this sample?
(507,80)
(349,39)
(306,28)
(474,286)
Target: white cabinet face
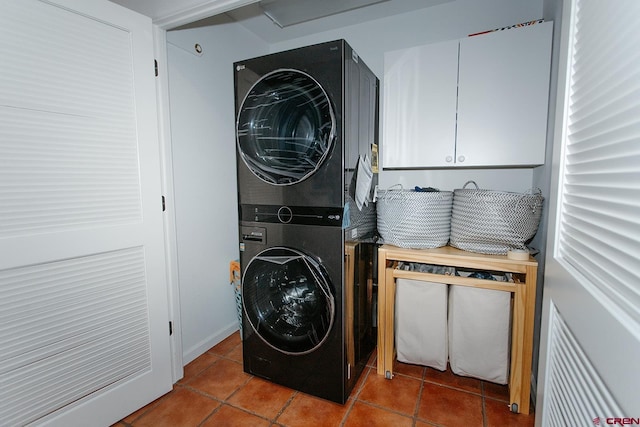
(478,101)
(503,96)
(419,106)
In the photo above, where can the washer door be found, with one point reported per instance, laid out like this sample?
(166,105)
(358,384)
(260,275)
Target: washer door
(287,298)
(286,127)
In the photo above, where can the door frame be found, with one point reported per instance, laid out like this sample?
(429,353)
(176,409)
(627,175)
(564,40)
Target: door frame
(171,246)
(160,27)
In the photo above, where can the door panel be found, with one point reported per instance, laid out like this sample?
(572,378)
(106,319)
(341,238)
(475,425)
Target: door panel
(420,101)
(590,332)
(82,268)
(503,97)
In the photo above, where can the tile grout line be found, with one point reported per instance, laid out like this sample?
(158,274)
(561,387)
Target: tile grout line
(479,393)
(418,400)
(484,412)
(284,407)
(215,410)
(362,380)
(347,412)
(385,408)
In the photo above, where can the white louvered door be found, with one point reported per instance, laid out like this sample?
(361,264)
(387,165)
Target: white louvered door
(590,334)
(84,334)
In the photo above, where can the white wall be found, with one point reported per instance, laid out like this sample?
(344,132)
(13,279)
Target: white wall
(203,147)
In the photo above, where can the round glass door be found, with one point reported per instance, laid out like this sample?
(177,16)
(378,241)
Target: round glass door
(286,127)
(287,298)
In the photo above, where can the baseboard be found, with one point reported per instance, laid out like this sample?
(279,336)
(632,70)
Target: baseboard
(192,353)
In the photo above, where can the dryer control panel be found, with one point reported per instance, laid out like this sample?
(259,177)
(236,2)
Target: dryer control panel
(301,215)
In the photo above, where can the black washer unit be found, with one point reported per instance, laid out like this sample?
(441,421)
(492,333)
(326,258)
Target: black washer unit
(304,118)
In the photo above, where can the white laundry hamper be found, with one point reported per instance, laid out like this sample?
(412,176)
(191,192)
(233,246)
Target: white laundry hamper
(479,333)
(421,323)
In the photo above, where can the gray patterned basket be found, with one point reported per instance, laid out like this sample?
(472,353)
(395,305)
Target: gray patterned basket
(492,222)
(362,222)
(413,219)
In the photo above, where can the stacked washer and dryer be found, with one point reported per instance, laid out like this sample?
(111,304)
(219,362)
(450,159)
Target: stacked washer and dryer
(306,120)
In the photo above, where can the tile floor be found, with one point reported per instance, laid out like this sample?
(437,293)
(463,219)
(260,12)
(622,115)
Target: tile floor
(216,392)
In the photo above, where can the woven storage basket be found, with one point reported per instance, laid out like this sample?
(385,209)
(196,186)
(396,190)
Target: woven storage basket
(362,222)
(414,219)
(492,222)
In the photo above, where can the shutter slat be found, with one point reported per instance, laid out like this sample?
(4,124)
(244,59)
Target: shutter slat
(600,208)
(71,328)
(65,141)
(575,392)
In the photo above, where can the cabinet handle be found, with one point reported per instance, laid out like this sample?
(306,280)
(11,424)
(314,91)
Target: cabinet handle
(461,159)
(448,159)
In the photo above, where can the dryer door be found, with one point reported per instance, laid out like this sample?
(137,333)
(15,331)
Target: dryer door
(287,299)
(286,127)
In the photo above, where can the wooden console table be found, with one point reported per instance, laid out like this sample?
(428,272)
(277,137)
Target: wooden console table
(524,298)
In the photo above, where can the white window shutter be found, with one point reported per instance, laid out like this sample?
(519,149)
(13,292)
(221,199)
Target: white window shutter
(600,210)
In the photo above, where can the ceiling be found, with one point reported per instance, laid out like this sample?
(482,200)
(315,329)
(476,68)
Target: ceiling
(252,18)
(251,15)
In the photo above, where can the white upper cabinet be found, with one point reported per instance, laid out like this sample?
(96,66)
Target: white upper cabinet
(486,106)
(419,105)
(503,97)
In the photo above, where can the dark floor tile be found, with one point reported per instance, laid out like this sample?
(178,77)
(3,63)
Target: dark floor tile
(495,391)
(415,371)
(197,366)
(362,380)
(363,415)
(450,379)
(306,411)
(261,397)
(228,344)
(399,394)
(235,354)
(449,407)
(498,414)
(181,407)
(221,379)
(129,419)
(228,416)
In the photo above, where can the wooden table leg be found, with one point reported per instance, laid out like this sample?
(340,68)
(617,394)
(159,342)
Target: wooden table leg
(382,305)
(517,339)
(527,350)
(389,335)
(522,342)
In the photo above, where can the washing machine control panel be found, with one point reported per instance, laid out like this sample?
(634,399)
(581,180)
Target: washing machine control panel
(301,215)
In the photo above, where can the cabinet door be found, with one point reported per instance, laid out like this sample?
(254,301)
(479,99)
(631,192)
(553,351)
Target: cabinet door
(503,97)
(419,106)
